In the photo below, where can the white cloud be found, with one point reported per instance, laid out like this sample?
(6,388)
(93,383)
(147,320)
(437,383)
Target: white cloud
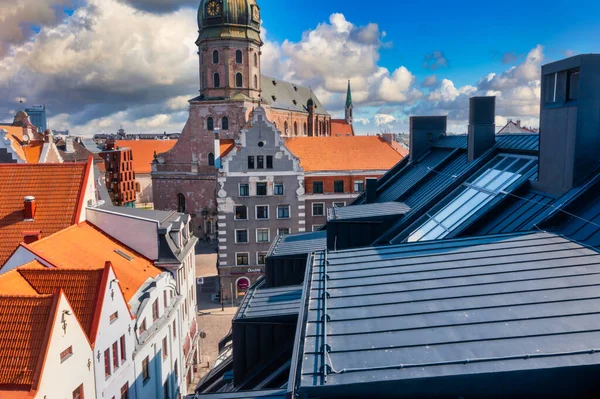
(384,119)
(361,121)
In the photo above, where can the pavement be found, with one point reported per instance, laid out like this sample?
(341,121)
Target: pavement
(213,321)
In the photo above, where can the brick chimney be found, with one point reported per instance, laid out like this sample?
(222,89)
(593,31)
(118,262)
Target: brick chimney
(29,208)
(31,236)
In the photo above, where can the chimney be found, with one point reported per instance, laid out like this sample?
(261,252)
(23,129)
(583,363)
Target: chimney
(31,236)
(482,128)
(569,123)
(48,136)
(424,131)
(388,137)
(29,208)
(371,191)
(69,149)
(518,123)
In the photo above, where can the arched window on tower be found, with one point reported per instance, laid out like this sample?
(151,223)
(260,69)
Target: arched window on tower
(180,203)
(238,57)
(225,123)
(216,80)
(239,80)
(304,130)
(255,82)
(295,128)
(255,60)
(285,128)
(211,159)
(215,56)
(210,123)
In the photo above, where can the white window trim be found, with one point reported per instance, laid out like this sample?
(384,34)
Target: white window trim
(268,236)
(316,225)
(266,186)
(289,212)
(282,185)
(236,238)
(256,212)
(359,181)
(287,228)
(240,190)
(312,210)
(241,253)
(234,213)
(257,262)
(338,202)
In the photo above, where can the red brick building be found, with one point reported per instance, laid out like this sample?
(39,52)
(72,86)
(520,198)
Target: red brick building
(120,176)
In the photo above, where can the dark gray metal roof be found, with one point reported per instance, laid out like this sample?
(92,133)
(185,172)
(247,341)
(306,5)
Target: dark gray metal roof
(288,96)
(449,309)
(264,303)
(298,244)
(267,393)
(157,216)
(367,211)
(521,142)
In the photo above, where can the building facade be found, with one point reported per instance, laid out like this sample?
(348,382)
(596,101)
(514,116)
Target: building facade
(120,176)
(260,194)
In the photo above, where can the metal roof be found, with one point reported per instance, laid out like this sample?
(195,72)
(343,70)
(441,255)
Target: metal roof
(522,142)
(298,244)
(287,96)
(262,303)
(267,393)
(367,211)
(451,308)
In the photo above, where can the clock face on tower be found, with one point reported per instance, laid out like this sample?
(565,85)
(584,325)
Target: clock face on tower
(213,8)
(255,14)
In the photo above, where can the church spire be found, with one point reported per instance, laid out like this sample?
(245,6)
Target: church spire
(349,105)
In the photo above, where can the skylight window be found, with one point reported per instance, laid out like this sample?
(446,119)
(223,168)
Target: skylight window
(502,173)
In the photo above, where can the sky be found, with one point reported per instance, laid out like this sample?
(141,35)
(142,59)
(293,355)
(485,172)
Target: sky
(101,64)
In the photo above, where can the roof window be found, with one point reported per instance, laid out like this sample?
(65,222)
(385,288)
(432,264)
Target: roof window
(123,254)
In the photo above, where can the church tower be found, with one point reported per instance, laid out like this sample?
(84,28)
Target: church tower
(349,105)
(229,48)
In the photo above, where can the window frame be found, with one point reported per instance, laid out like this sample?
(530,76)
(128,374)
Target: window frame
(146,369)
(319,184)
(78,392)
(107,364)
(235,214)
(239,80)
(289,231)
(225,123)
(247,185)
(260,162)
(262,206)
(240,59)
(289,212)
(258,255)
(360,182)
(216,57)
(251,162)
(236,236)
(266,185)
(123,346)
(155,310)
(238,254)
(275,191)
(262,230)
(269,162)
(165,349)
(313,208)
(336,204)
(336,187)
(316,227)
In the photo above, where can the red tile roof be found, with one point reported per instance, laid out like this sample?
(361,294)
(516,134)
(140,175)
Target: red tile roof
(58,190)
(339,127)
(143,152)
(12,283)
(25,328)
(226,145)
(326,154)
(29,153)
(85,247)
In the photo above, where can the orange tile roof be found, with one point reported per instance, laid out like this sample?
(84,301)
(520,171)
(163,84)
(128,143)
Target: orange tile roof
(84,246)
(339,127)
(81,287)
(327,154)
(12,283)
(33,151)
(226,145)
(143,152)
(24,336)
(29,153)
(56,188)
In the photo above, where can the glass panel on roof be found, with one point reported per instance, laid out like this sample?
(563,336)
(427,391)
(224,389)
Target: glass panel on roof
(484,187)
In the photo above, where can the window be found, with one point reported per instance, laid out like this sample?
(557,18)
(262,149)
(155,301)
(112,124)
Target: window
(216,80)
(317,187)
(278,189)
(180,203)
(242,259)
(67,353)
(107,370)
(142,326)
(255,82)
(125,391)
(261,258)
(225,123)
(339,204)
(359,186)
(262,211)
(165,350)
(295,128)
(260,162)
(317,227)
(239,80)
(250,162)
(238,57)
(215,56)
(174,330)
(210,123)
(338,186)
(123,352)
(283,212)
(145,369)
(244,190)
(573,85)
(241,236)
(283,231)
(176,370)
(255,60)
(165,300)
(261,188)
(262,235)
(269,161)
(241,212)
(286,130)
(318,209)
(155,310)
(476,193)
(211,159)
(115,354)
(78,392)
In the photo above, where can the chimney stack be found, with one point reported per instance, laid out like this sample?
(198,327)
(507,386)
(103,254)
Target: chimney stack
(371,191)
(482,127)
(31,236)
(424,131)
(29,208)
(569,123)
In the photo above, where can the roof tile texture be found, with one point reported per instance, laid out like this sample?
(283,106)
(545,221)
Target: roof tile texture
(143,152)
(339,127)
(324,154)
(56,189)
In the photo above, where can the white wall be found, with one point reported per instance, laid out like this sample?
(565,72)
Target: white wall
(145,195)
(21,256)
(59,380)
(138,234)
(89,195)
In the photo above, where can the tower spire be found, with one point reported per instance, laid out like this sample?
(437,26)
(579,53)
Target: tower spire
(349,105)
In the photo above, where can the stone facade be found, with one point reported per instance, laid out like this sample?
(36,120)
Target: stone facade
(259,196)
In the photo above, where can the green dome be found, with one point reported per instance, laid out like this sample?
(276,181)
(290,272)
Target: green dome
(229,19)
